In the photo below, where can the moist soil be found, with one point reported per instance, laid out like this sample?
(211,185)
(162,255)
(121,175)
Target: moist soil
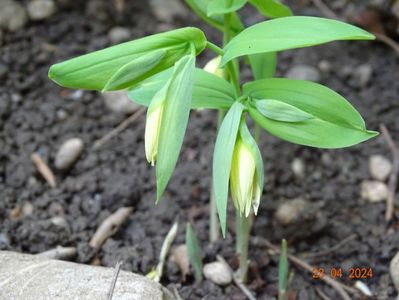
(38,116)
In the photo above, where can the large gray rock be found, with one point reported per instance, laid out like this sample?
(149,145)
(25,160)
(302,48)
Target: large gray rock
(41,9)
(119,102)
(24,276)
(12,15)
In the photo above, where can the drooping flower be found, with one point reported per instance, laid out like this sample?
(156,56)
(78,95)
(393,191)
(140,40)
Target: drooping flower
(212,66)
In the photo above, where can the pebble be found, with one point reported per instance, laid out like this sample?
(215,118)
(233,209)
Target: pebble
(15,213)
(41,9)
(218,273)
(60,222)
(303,72)
(324,66)
(298,167)
(167,10)
(68,153)
(12,15)
(119,34)
(290,211)
(394,270)
(380,167)
(119,102)
(362,75)
(374,191)
(4,241)
(27,209)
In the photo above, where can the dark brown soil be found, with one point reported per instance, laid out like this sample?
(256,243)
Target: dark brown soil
(31,110)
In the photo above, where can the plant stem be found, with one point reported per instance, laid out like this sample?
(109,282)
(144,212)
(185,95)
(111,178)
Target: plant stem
(243,228)
(214,48)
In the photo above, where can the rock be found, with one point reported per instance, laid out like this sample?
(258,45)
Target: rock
(41,9)
(24,276)
(289,211)
(68,153)
(218,273)
(380,167)
(119,102)
(167,10)
(374,191)
(119,34)
(27,209)
(324,66)
(4,243)
(362,75)
(12,15)
(303,72)
(179,256)
(394,270)
(298,167)
(60,222)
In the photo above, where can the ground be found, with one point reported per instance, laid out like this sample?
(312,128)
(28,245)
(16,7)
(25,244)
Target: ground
(37,115)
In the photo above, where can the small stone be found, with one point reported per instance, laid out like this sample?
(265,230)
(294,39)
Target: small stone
(380,167)
(119,102)
(374,191)
(15,213)
(41,9)
(62,115)
(218,273)
(4,241)
(303,72)
(12,15)
(60,222)
(362,75)
(324,66)
(290,211)
(298,167)
(167,10)
(118,35)
(27,209)
(394,270)
(68,153)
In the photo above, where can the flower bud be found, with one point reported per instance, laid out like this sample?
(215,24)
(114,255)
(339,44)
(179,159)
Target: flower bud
(212,66)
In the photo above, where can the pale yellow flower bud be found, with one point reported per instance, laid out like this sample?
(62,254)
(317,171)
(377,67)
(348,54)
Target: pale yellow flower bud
(212,66)
(152,129)
(244,185)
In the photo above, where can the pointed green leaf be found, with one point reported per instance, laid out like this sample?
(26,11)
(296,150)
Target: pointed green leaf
(335,122)
(209,90)
(222,158)
(221,7)
(92,71)
(174,120)
(263,64)
(281,111)
(271,8)
(194,252)
(288,33)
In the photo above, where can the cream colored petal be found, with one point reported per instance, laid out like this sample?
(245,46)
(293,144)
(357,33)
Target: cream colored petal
(151,136)
(213,67)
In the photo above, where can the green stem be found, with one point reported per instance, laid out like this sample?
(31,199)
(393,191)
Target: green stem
(214,48)
(243,228)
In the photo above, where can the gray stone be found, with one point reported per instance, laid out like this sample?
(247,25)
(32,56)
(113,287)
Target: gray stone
(24,276)
(218,273)
(298,167)
(374,191)
(324,66)
(362,75)
(394,270)
(12,15)
(167,10)
(68,153)
(290,211)
(41,9)
(303,72)
(380,167)
(119,102)
(119,34)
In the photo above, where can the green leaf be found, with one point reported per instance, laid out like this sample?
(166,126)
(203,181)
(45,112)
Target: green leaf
(283,270)
(281,111)
(194,252)
(288,33)
(92,71)
(336,123)
(126,75)
(216,21)
(222,158)
(209,91)
(263,64)
(271,8)
(221,7)
(174,120)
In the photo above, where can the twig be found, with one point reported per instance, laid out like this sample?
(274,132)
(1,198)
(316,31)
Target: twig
(122,126)
(325,9)
(339,287)
(62,253)
(387,41)
(176,293)
(114,278)
(321,294)
(238,282)
(110,226)
(170,237)
(332,249)
(43,169)
(393,179)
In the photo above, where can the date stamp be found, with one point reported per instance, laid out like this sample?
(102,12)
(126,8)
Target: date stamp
(337,272)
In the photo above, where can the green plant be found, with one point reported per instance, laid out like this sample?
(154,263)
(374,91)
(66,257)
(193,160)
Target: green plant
(159,72)
(283,271)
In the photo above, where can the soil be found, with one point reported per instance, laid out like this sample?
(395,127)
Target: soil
(37,115)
